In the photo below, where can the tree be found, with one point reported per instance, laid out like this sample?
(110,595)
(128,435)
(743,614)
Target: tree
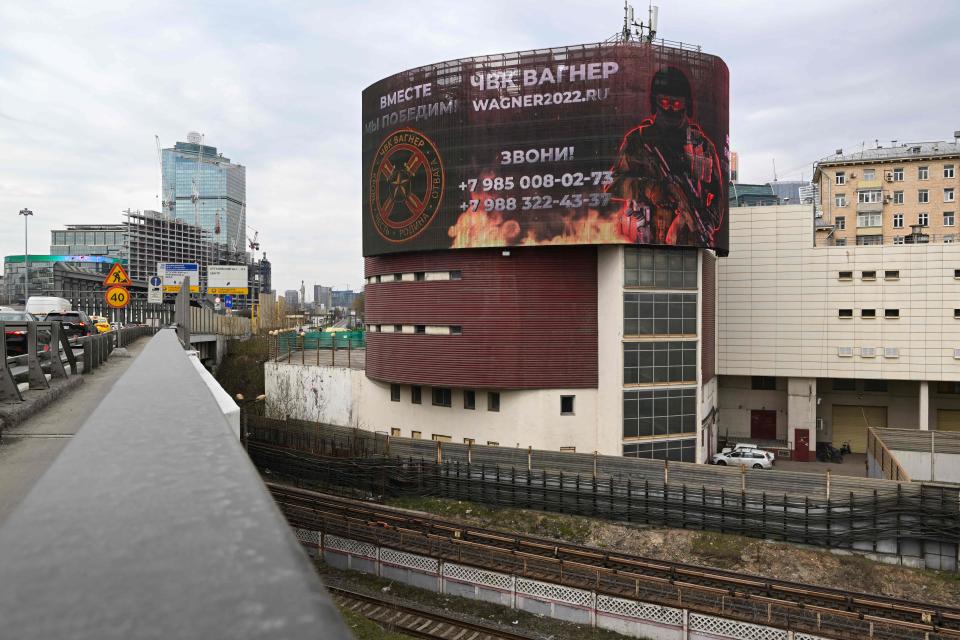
(358,305)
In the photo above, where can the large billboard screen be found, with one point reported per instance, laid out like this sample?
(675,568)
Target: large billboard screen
(609,143)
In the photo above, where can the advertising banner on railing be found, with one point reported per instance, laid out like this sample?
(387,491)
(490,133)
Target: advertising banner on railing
(610,143)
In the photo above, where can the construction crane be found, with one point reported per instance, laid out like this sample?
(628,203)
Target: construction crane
(254,242)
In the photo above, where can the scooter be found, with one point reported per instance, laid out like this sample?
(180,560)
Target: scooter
(845,448)
(826,452)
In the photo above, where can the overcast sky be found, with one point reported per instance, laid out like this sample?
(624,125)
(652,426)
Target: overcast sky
(84,86)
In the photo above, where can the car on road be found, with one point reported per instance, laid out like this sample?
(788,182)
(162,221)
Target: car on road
(76,324)
(16,336)
(745,446)
(753,458)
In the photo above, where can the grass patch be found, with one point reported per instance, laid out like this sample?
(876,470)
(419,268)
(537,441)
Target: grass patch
(573,529)
(720,547)
(364,629)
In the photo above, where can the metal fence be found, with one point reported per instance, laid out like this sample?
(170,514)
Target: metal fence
(903,512)
(884,460)
(865,514)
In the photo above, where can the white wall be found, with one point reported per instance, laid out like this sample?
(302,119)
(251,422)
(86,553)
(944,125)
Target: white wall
(946,466)
(346,397)
(610,349)
(737,400)
(779,296)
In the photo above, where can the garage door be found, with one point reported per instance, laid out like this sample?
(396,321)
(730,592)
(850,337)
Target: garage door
(948,420)
(850,424)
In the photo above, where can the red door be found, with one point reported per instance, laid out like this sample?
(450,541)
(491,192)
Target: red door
(763,425)
(801,449)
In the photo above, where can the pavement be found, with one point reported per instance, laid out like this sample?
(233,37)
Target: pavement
(854,464)
(28,449)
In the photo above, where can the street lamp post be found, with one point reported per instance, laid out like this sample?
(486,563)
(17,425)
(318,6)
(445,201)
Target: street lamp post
(26,257)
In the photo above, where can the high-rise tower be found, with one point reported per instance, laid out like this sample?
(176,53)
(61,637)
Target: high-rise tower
(202,187)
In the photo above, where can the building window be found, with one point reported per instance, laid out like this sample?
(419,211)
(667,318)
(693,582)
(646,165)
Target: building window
(566,405)
(869,220)
(398,328)
(949,239)
(493,401)
(841,200)
(869,174)
(868,275)
(656,362)
(869,196)
(456,275)
(419,276)
(456,330)
(568,449)
(868,313)
(845,275)
(876,386)
(415,394)
(923,219)
(420,328)
(674,450)
(841,222)
(659,412)
(898,240)
(845,313)
(898,174)
(415,435)
(646,314)
(891,313)
(898,197)
(844,384)
(397,277)
(394,431)
(948,171)
(948,195)
(891,275)
(469,399)
(956,274)
(763,383)
(491,443)
(469,441)
(660,268)
(870,240)
(840,178)
(898,221)
(442,397)
(923,196)
(437,437)
(840,242)
(923,173)
(395,393)
(948,219)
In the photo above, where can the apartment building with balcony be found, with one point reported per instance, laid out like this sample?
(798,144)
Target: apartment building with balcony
(902,194)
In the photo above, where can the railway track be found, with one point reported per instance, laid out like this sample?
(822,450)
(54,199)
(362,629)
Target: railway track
(414,621)
(848,609)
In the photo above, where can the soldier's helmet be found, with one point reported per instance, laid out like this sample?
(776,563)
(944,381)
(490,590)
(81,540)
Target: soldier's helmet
(670,81)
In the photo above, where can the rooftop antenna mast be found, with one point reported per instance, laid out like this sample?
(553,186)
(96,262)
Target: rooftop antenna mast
(637,31)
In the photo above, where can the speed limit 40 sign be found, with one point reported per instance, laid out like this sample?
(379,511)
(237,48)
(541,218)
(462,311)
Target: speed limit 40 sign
(117,297)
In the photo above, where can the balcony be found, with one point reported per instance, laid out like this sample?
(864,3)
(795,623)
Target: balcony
(870,207)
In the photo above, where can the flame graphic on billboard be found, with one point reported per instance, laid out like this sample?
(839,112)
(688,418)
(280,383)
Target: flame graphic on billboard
(498,229)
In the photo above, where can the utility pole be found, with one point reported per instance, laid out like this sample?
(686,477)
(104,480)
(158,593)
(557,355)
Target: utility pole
(26,257)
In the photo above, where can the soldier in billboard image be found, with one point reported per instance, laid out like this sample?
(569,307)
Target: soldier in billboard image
(667,176)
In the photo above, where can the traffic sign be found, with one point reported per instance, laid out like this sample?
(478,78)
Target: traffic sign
(155,281)
(228,302)
(117,297)
(117,277)
(173,274)
(227,278)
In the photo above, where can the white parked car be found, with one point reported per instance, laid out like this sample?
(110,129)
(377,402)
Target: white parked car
(744,446)
(753,458)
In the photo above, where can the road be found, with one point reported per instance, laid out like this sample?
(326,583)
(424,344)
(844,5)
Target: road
(28,449)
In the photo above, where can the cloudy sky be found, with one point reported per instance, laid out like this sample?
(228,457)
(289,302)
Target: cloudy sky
(84,86)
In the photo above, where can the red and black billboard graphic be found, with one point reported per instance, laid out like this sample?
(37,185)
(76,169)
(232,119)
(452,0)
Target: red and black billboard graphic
(595,144)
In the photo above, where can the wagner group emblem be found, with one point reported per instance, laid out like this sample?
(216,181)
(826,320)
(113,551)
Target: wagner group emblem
(406,185)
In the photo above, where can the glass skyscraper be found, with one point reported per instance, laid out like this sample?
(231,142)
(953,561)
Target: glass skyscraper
(202,186)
